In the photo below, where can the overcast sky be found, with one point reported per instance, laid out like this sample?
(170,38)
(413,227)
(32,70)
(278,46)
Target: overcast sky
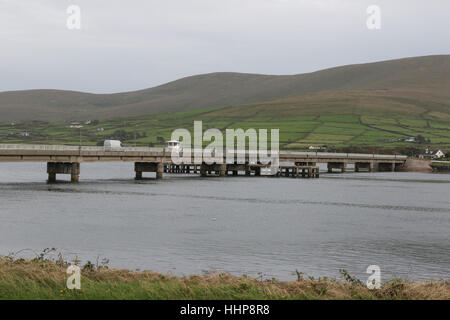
(136,44)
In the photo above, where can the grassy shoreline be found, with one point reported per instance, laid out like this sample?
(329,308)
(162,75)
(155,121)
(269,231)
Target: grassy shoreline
(44,279)
(441,166)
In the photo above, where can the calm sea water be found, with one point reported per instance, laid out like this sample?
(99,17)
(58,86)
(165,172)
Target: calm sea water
(257,226)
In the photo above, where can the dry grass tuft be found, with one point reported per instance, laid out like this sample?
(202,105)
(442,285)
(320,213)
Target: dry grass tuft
(32,279)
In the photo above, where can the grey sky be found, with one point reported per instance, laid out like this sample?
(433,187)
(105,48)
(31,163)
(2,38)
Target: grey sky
(134,44)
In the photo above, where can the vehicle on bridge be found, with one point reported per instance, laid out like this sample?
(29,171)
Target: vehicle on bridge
(173,145)
(112,144)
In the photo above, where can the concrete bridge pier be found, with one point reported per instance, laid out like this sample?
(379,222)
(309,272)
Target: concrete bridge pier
(235,168)
(72,168)
(223,170)
(157,167)
(297,171)
(305,164)
(336,165)
(218,169)
(252,168)
(386,166)
(203,170)
(369,166)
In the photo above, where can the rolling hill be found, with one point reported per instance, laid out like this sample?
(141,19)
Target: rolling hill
(413,85)
(347,120)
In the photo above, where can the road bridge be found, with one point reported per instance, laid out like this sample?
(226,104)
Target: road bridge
(67,160)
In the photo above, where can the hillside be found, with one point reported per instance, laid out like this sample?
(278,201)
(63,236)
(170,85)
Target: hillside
(358,120)
(424,78)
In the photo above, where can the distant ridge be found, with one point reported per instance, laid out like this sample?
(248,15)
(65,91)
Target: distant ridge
(427,77)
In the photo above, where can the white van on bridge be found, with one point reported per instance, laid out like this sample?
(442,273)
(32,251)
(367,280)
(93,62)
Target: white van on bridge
(112,144)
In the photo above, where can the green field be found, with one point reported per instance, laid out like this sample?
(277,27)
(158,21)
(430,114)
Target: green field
(296,132)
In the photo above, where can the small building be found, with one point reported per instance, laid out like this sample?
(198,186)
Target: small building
(430,154)
(438,154)
(317,147)
(410,139)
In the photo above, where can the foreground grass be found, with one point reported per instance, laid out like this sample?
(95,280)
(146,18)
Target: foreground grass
(35,279)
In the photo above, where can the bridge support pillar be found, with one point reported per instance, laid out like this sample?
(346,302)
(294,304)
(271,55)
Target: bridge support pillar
(305,164)
(374,167)
(51,177)
(218,169)
(203,170)
(72,168)
(234,168)
(336,165)
(157,167)
(159,170)
(386,166)
(363,165)
(208,169)
(223,170)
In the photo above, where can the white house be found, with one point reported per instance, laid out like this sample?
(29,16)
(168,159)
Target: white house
(437,154)
(317,147)
(432,154)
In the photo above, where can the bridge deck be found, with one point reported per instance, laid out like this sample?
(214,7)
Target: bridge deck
(55,153)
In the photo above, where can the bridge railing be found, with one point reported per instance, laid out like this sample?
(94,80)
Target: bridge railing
(342,155)
(282,154)
(75,148)
(37,147)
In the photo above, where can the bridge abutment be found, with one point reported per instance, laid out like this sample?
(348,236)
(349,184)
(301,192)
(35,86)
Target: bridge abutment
(72,168)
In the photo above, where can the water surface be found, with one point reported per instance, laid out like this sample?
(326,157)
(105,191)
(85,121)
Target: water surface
(257,226)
